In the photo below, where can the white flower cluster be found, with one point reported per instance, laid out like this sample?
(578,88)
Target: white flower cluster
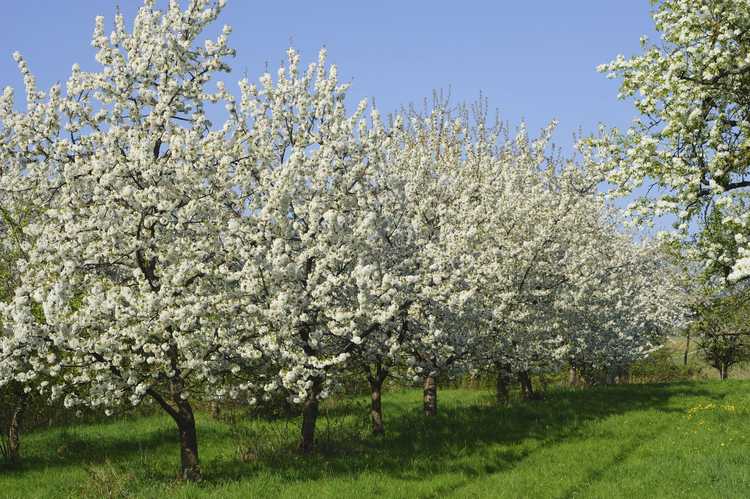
(170,258)
(688,151)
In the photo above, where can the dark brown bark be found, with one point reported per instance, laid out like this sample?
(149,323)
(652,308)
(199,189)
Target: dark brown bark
(430,396)
(687,348)
(527,389)
(309,418)
(502,392)
(14,428)
(182,414)
(376,406)
(189,462)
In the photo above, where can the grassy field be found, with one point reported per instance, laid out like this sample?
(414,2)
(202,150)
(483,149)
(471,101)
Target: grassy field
(676,347)
(677,440)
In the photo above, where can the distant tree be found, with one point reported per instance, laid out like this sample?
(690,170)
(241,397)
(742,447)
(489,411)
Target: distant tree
(555,278)
(704,286)
(722,330)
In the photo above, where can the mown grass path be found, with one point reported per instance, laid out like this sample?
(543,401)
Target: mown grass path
(677,440)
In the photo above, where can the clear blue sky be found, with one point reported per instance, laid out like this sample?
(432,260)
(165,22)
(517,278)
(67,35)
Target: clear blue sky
(534,60)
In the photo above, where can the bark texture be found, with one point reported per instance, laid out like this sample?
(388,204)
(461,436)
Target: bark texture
(189,462)
(376,407)
(182,413)
(14,429)
(430,396)
(309,418)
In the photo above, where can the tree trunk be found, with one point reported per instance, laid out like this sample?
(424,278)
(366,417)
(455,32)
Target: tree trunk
(687,348)
(309,418)
(624,377)
(724,372)
(573,379)
(527,389)
(501,387)
(182,413)
(430,396)
(609,377)
(376,406)
(14,428)
(215,409)
(189,463)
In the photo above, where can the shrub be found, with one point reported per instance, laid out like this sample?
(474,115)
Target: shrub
(660,367)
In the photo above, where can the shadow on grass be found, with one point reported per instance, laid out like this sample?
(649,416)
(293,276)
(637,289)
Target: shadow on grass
(74,448)
(414,447)
(123,440)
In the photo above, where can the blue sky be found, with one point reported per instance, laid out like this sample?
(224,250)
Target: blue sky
(533,60)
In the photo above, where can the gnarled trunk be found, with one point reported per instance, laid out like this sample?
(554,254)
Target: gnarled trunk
(14,428)
(376,406)
(430,396)
(189,463)
(182,413)
(309,418)
(502,393)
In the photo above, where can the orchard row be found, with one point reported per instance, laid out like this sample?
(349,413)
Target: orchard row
(156,255)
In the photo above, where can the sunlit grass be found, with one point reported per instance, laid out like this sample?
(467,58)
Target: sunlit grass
(679,440)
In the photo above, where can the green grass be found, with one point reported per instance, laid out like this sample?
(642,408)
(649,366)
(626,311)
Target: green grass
(676,346)
(678,440)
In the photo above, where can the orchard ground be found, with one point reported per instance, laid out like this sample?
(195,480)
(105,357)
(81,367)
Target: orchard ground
(660,440)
